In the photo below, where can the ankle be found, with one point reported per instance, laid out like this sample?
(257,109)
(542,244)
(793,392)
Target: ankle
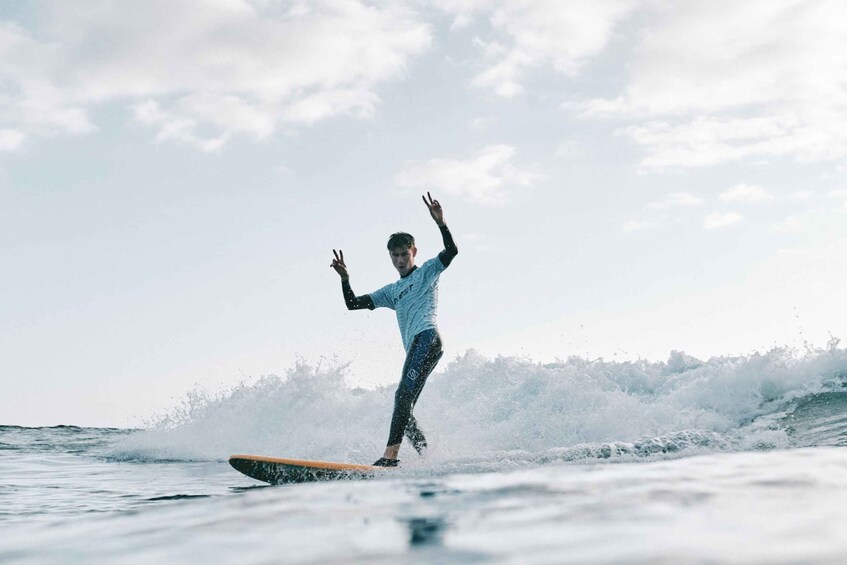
(391,451)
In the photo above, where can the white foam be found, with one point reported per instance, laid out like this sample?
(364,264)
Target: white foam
(478,408)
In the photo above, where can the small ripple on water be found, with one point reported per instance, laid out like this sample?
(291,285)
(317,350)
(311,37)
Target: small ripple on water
(179,497)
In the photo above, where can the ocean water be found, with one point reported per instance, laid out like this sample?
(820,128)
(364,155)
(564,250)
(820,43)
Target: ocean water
(727,460)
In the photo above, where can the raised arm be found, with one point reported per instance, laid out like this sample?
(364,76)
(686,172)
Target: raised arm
(352,301)
(437,213)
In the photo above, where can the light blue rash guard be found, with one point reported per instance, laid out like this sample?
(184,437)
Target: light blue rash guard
(414,298)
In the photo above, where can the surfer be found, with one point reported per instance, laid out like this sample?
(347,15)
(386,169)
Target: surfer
(414,297)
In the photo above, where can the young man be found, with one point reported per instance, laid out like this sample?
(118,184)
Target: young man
(415,299)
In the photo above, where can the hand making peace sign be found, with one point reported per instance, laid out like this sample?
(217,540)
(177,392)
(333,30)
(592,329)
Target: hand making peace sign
(338,264)
(434,209)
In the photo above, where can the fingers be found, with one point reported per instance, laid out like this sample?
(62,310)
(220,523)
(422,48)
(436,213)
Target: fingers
(432,202)
(339,259)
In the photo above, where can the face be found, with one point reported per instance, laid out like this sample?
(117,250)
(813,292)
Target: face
(403,259)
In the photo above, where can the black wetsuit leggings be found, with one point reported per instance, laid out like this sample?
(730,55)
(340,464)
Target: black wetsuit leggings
(423,355)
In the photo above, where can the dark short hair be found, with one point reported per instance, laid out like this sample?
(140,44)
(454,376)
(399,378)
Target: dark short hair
(401,239)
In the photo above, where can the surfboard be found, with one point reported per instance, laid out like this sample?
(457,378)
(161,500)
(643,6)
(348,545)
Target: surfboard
(276,470)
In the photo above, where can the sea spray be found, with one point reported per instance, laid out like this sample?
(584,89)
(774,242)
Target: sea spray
(311,412)
(477,409)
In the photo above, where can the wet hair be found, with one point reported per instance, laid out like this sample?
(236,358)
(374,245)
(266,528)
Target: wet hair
(401,239)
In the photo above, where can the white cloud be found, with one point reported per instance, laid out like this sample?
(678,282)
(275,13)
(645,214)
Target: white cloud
(717,220)
(483,123)
(174,128)
(722,81)
(10,139)
(745,193)
(149,112)
(791,224)
(502,76)
(29,102)
(221,68)
(357,102)
(634,225)
(461,21)
(704,141)
(484,178)
(567,150)
(228,112)
(676,199)
(802,194)
(841,195)
(466,7)
(531,33)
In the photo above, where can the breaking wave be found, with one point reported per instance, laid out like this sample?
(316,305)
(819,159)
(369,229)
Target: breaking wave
(480,412)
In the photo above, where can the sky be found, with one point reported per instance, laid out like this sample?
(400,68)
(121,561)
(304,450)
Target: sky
(623,179)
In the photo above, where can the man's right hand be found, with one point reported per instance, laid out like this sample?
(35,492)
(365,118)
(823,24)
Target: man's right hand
(338,264)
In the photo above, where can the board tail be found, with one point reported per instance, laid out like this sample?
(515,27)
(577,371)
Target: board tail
(275,470)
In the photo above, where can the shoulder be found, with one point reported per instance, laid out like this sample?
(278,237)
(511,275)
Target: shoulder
(387,289)
(432,266)
(382,297)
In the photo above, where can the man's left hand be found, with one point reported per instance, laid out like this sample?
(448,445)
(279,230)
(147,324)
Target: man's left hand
(434,209)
